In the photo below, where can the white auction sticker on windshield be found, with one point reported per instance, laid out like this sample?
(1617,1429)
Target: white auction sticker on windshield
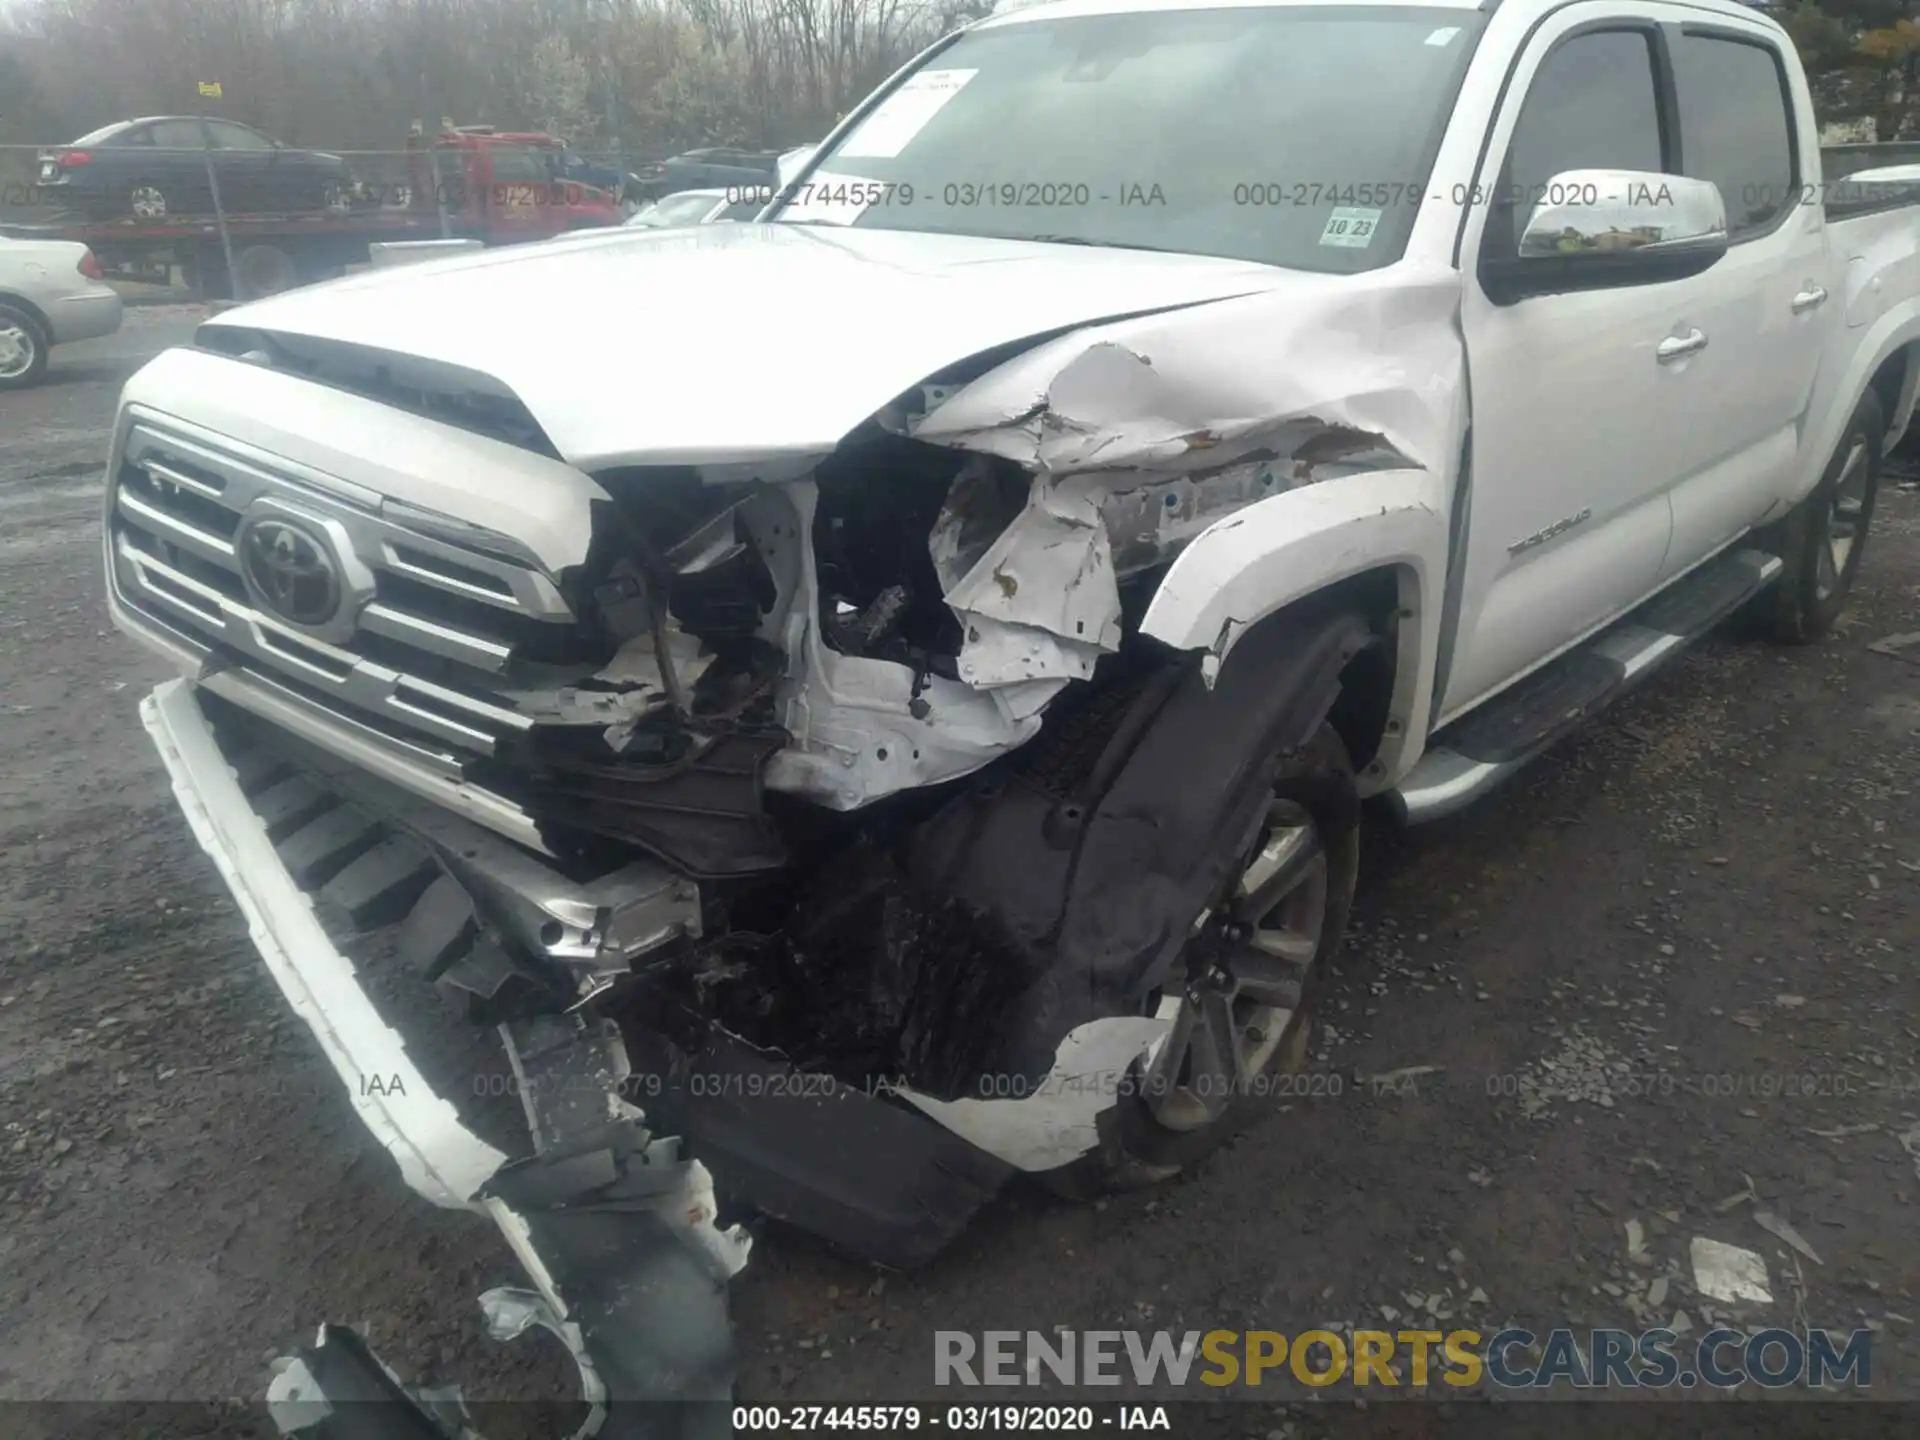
(904,114)
(1351,226)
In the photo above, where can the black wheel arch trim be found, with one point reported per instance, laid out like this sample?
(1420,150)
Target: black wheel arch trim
(1094,893)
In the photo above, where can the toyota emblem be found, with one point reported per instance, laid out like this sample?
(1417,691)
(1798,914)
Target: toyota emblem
(290,569)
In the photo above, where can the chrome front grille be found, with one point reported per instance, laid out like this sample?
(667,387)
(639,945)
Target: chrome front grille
(418,654)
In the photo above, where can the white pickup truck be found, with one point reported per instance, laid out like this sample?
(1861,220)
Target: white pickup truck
(880,699)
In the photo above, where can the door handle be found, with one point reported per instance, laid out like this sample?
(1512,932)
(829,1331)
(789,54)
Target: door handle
(1808,298)
(1678,347)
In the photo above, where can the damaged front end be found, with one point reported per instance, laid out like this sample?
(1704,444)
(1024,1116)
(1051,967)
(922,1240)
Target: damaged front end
(802,829)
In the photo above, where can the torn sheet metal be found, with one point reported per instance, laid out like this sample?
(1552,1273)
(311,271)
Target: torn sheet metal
(1041,603)
(1370,361)
(1149,518)
(862,729)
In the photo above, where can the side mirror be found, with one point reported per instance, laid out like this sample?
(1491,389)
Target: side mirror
(1600,229)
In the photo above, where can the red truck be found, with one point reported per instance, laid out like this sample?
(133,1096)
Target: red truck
(498,188)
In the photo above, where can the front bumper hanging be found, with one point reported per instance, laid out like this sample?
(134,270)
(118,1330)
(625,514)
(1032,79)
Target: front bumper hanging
(613,1227)
(364,902)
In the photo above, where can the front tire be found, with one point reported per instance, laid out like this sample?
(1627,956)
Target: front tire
(1243,997)
(1822,538)
(23,349)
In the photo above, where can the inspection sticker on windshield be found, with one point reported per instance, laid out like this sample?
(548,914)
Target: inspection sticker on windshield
(1351,226)
(904,114)
(1444,35)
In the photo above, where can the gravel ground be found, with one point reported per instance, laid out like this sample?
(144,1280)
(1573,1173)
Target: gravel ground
(1663,985)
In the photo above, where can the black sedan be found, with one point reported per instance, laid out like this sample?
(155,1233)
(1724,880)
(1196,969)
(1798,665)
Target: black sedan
(156,168)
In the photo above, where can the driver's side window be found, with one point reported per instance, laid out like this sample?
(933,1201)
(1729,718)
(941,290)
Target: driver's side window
(1592,106)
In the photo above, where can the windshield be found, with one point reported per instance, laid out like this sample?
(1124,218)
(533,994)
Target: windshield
(1298,136)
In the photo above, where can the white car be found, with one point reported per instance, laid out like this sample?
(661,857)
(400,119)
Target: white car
(698,207)
(854,760)
(51,293)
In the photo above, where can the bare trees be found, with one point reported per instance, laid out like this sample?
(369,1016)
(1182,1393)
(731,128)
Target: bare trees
(354,73)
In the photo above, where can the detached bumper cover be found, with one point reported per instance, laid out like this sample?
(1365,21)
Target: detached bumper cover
(615,1230)
(438,1156)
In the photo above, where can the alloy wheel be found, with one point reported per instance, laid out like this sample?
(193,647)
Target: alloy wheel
(18,349)
(1242,998)
(1842,522)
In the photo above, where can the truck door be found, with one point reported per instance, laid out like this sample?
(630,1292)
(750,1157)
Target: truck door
(1579,424)
(518,194)
(1768,307)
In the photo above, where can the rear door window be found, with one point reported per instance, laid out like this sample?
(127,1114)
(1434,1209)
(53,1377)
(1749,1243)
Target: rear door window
(178,135)
(1736,128)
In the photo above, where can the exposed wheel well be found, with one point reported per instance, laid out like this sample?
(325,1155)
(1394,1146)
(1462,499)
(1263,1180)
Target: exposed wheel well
(1889,380)
(1365,707)
(1080,723)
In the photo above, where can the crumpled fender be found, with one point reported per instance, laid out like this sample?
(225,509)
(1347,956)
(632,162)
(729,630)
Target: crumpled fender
(1277,552)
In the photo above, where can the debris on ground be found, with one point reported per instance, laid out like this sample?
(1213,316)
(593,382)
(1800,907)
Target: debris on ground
(1910,1142)
(1394,1079)
(1841,1132)
(1777,1226)
(1726,1272)
(1747,1196)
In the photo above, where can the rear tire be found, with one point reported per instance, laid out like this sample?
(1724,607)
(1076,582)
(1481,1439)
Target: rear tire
(1822,538)
(24,348)
(1165,1121)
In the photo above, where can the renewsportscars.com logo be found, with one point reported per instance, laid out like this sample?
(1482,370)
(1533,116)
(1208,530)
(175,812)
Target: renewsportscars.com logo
(1511,1359)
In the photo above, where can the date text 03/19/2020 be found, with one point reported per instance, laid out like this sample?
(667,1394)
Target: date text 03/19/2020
(950,1419)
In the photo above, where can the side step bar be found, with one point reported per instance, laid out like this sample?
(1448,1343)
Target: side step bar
(1480,750)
